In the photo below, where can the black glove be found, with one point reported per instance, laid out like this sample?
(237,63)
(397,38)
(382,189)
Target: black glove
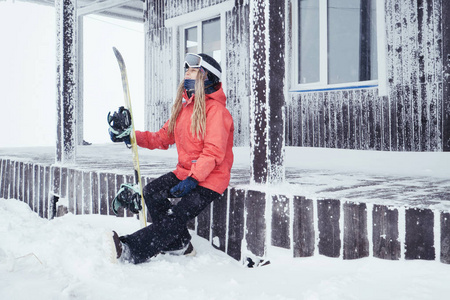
(120,125)
(184,187)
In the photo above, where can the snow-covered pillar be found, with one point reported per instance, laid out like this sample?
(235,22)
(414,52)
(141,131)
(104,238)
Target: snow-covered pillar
(66,80)
(267,101)
(446,78)
(80,98)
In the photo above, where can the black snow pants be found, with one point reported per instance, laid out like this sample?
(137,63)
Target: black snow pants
(168,230)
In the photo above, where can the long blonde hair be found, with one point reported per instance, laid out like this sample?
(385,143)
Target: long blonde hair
(198,120)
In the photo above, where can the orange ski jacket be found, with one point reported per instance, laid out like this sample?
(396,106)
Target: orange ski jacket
(208,160)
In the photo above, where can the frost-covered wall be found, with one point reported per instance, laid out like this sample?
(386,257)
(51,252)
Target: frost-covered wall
(410,118)
(158,66)
(238,70)
(414,115)
(414,34)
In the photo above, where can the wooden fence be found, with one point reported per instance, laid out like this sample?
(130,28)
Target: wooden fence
(244,222)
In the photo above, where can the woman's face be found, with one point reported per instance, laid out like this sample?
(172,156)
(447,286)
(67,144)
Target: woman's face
(191,73)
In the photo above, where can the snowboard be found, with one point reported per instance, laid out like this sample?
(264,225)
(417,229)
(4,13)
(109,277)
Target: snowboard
(134,147)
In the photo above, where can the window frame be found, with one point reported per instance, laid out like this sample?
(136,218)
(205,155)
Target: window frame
(323,84)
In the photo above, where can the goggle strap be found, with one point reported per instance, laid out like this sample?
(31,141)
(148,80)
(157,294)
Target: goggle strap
(211,68)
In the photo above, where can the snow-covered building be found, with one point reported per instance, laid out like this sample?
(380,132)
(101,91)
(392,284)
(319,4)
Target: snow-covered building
(366,75)
(318,73)
(337,74)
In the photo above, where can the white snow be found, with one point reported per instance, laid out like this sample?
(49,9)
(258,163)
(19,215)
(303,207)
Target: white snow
(66,258)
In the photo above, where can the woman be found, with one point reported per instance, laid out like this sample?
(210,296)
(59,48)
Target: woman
(202,129)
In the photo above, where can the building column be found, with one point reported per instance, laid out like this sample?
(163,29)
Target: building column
(267,101)
(66,80)
(80,98)
(446,75)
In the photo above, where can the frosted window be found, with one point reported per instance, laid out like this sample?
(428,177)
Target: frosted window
(308,41)
(351,41)
(191,40)
(211,38)
(337,41)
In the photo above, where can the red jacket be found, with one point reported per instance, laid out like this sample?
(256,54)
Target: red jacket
(209,161)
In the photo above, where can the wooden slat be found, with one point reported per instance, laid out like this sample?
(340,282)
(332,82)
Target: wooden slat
(95,193)
(111,191)
(445,237)
(321,119)
(303,227)
(356,242)
(15,180)
(31,185)
(64,177)
(2,173)
(71,190)
(78,186)
(423,90)
(371,117)
(236,223)
(386,244)
(255,205)
(36,188)
(419,238)
(87,192)
(345,120)
(46,195)
(25,183)
(333,127)
(280,222)
(20,180)
(326,110)
(378,126)
(386,121)
(104,200)
(365,138)
(351,120)
(219,222)
(339,121)
(328,212)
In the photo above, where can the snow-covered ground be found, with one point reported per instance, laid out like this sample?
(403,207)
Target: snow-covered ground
(67,258)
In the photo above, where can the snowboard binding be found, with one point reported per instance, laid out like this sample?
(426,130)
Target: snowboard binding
(120,125)
(128,197)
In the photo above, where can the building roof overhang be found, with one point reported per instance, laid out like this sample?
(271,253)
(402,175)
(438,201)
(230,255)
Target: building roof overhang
(130,10)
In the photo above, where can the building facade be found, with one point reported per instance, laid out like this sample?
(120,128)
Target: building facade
(341,74)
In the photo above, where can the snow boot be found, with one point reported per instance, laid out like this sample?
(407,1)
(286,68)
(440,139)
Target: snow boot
(187,250)
(115,247)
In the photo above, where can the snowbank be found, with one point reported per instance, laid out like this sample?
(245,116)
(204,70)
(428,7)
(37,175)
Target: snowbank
(66,258)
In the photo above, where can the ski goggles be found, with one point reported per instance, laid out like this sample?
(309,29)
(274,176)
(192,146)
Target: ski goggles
(196,61)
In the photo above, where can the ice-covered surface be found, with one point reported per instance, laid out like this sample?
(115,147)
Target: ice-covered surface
(397,178)
(67,258)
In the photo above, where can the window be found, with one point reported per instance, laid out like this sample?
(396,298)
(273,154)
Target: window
(335,43)
(204,37)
